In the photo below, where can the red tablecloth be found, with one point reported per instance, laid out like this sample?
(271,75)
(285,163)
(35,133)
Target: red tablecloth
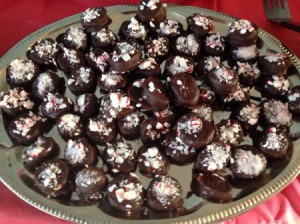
(20,18)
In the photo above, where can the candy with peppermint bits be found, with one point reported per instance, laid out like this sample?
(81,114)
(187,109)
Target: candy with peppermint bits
(133,29)
(52,178)
(15,101)
(206,64)
(274,142)
(129,126)
(212,187)
(54,105)
(276,112)
(125,56)
(187,45)
(120,157)
(26,128)
(245,53)
(126,194)
(81,80)
(170,28)
(91,184)
(223,80)
(100,131)
(204,111)
(75,38)
(111,81)
(213,157)
(184,90)
(177,150)
(248,114)
(79,153)
(230,132)
(21,73)
(95,19)
(148,67)
(179,64)
(241,95)
(273,63)
(97,59)
(151,12)
(104,38)
(86,105)
(155,93)
(247,162)
(47,82)
(68,58)
(157,48)
(206,95)
(164,193)
(293,99)
(194,131)
(248,73)
(69,125)
(43,149)
(43,51)
(275,86)
(152,160)
(115,105)
(200,25)
(242,32)
(153,129)
(214,44)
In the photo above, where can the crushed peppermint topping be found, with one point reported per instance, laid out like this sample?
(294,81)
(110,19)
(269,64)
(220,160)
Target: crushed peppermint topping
(21,69)
(203,111)
(241,25)
(275,140)
(105,35)
(169,27)
(215,41)
(279,82)
(69,123)
(215,155)
(124,50)
(165,188)
(99,126)
(45,83)
(276,57)
(152,158)
(147,64)
(88,177)
(16,98)
(249,114)
(54,102)
(240,95)
(178,146)
(248,70)
(188,44)
(277,112)
(249,163)
(45,48)
(224,74)
(75,152)
(101,61)
(34,150)
(25,124)
(49,176)
(82,77)
(246,52)
(71,55)
(90,14)
(136,29)
(191,125)
(203,21)
(132,120)
(151,4)
(118,153)
(211,62)
(230,132)
(291,96)
(157,47)
(77,36)
(180,64)
(111,78)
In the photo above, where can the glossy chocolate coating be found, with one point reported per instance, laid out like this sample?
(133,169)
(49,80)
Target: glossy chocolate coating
(104,38)
(129,126)
(230,132)
(274,63)
(98,59)
(86,105)
(68,58)
(153,129)
(275,86)
(81,80)
(214,44)
(187,45)
(157,48)
(94,19)
(179,64)
(69,125)
(111,81)
(133,29)
(293,98)
(248,73)
(200,25)
(148,67)
(75,38)
(151,12)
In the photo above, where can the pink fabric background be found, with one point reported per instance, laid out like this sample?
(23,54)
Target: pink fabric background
(19,18)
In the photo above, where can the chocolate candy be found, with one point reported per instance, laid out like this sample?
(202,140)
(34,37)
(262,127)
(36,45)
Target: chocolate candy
(200,25)
(230,132)
(164,193)
(212,187)
(21,73)
(245,53)
(86,105)
(91,184)
(15,102)
(68,58)
(133,29)
(170,28)
(135,92)
(111,81)
(275,86)
(69,125)
(75,38)
(179,64)
(94,19)
(248,73)
(151,12)
(129,126)
(125,193)
(120,157)
(153,129)
(98,59)
(148,67)
(157,48)
(293,98)
(104,38)
(214,44)
(53,178)
(187,45)
(274,63)
(184,90)
(206,64)
(247,162)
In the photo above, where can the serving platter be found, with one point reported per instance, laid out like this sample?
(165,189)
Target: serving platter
(246,195)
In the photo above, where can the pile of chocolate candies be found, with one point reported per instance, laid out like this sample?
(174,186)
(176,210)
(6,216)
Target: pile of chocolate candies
(169,108)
